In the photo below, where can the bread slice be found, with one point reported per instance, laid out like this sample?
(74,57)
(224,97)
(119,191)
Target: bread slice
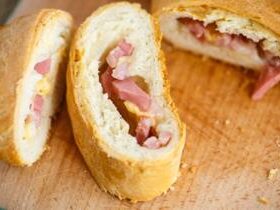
(119,164)
(33,52)
(253,27)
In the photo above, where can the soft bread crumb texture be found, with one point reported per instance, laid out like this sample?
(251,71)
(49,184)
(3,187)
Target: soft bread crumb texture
(51,44)
(48,35)
(125,23)
(119,165)
(227,22)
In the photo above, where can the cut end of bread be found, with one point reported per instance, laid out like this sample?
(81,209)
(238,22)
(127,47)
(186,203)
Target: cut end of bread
(114,156)
(234,32)
(39,81)
(226,22)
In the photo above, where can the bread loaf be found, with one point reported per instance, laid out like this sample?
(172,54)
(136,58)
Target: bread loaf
(124,120)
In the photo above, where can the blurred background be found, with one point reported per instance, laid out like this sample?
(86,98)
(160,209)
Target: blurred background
(6,8)
(10,9)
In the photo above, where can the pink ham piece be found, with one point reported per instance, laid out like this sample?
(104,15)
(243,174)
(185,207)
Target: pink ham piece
(143,129)
(128,90)
(113,57)
(37,108)
(241,44)
(271,59)
(123,49)
(195,27)
(268,78)
(236,42)
(106,81)
(224,40)
(121,71)
(38,103)
(126,47)
(152,143)
(43,67)
(164,137)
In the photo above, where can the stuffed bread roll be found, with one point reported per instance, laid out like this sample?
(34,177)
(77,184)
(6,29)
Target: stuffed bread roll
(245,33)
(33,53)
(124,121)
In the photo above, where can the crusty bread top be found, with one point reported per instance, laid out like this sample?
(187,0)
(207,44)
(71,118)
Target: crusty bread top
(264,12)
(17,42)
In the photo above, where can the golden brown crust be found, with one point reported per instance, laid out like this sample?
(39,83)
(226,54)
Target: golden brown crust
(18,40)
(265,12)
(116,173)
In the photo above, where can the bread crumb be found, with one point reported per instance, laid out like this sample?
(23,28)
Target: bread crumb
(217,122)
(240,129)
(272,173)
(172,188)
(227,122)
(193,169)
(48,148)
(263,200)
(183,165)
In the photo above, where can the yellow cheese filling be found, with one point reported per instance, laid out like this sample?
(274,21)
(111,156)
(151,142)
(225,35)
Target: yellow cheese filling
(29,130)
(43,87)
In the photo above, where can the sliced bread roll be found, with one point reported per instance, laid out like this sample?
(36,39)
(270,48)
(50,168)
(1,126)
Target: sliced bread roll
(124,120)
(245,33)
(33,52)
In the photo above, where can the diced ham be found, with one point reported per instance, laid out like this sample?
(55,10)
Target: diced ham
(36,117)
(271,59)
(268,78)
(224,40)
(121,71)
(195,27)
(236,42)
(43,67)
(113,57)
(38,103)
(155,143)
(152,143)
(126,47)
(143,129)
(164,137)
(106,81)
(242,44)
(37,108)
(123,49)
(128,90)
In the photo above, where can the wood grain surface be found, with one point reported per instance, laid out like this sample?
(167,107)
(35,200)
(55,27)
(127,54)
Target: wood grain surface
(232,143)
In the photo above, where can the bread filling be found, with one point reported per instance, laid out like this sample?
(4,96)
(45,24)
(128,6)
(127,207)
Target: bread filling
(42,89)
(131,98)
(208,33)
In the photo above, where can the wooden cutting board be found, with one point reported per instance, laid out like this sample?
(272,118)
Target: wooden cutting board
(232,143)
